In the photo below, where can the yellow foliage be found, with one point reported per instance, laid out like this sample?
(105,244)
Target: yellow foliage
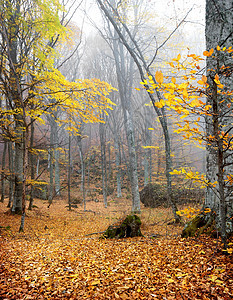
(159,77)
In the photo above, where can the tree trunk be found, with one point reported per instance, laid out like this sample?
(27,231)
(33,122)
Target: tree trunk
(103,162)
(25,166)
(69,171)
(219,28)
(125,97)
(118,163)
(109,164)
(56,160)
(32,163)
(3,180)
(51,175)
(11,176)
(147,152)
(83,189)
(19,160)
(135,51)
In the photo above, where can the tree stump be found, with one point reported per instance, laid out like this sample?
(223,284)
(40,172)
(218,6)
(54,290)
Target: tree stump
(129,227)
(202,223)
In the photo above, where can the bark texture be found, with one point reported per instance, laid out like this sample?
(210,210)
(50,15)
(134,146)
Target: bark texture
(219,32)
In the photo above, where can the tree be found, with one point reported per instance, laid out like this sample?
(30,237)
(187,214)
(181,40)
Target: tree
(28,32)
(128,39)
(187,99)
(219,34)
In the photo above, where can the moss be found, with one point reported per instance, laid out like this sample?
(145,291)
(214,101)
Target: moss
(202,223)
(130,227)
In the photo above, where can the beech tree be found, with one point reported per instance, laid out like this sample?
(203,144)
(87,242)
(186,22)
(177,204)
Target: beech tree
(219,36)
(187,98)
(28,31)
(128,39)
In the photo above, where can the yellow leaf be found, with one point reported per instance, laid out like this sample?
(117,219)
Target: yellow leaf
(201,82)
(173,80)
(95,282)
(216,77)
(204,78)
(211,51)
(159,77)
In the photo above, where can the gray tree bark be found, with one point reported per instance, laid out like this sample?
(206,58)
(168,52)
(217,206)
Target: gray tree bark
(147,152)
(83,169)
(57,182)
(51,167)
(3,175)
(118,163)
(125,95)
(102,134)
(219,32)
(32,166)
(69,172)
(11,176)
(19,157)
(135,51)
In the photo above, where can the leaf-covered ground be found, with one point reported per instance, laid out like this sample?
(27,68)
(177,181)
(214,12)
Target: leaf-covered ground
(57,258)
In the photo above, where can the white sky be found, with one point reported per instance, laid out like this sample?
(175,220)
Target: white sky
(167,9)
(167,13)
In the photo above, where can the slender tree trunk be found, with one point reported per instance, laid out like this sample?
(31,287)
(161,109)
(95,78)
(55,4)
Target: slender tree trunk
(56,160)
(109,163)
(83,189)
(128,123)
(19,168)
(69,172)
(124,160)
(118,163)
(51,175)
(11,176)
(147,152)
(32,160)
(37,166)
(3,180)
(25,166)
(103,162)
(88,174)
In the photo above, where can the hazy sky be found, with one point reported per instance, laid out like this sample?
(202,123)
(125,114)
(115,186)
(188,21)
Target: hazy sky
(163,9)
(164,13)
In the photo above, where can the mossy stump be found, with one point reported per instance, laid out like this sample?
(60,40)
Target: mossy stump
(129,227)
(202,223)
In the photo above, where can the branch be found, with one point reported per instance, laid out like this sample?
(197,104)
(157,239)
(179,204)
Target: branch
(170,35)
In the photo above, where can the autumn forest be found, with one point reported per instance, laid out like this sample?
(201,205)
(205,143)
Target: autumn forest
(116,149)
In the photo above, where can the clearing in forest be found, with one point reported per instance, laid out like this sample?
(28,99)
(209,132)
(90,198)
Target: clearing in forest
(57,257)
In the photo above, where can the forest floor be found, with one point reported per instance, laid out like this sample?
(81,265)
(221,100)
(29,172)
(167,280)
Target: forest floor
(57,258)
